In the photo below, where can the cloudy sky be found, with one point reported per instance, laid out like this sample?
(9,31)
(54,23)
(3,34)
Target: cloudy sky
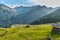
(49,3)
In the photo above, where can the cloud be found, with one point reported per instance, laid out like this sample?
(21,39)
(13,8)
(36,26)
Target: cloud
(15,5)
(46,2)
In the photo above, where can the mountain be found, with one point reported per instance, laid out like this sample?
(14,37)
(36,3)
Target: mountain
(28,15)
(32,15)
(51,18)
(5,14)
(23,9)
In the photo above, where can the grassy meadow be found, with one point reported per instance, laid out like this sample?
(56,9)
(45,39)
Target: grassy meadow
(20,32)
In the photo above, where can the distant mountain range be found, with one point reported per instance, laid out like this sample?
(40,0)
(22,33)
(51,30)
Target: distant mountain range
(31,14)
(28,15)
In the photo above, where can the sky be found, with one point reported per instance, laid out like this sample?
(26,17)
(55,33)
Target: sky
(14,3)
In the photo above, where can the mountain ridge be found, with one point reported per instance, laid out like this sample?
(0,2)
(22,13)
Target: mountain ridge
(26,15)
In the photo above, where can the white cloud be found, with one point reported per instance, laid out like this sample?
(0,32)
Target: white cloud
(16,5)
(53,3)
(13,5)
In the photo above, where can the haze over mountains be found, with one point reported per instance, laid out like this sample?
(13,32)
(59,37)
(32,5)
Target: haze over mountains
(28,15)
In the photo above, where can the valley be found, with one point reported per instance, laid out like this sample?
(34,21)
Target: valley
(29,23)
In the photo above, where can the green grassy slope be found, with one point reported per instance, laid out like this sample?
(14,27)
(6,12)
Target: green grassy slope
(55,36)
(34,32)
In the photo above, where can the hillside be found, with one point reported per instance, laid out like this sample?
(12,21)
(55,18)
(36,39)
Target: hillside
(50,18)
(28,15)
(55,36)
(34,14)
(22,10)
(5,14)
(34,32)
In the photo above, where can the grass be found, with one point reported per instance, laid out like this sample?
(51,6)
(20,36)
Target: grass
(55,36)
(34,32)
